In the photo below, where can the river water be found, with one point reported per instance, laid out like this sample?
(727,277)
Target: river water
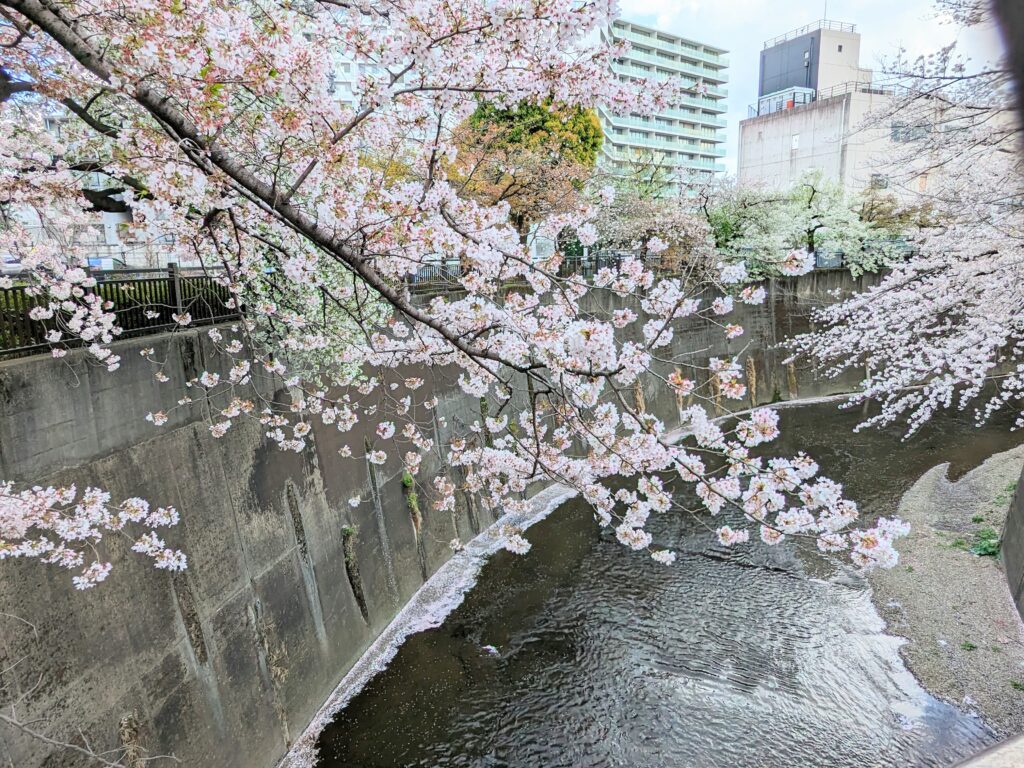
(757,657)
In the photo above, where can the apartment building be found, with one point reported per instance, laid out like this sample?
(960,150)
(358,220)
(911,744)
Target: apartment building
(687,142)
(345,78)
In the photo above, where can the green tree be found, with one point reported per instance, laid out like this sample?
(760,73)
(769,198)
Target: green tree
(535,157)
(561,133)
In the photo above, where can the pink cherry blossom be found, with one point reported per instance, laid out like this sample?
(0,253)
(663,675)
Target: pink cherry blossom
(317,218)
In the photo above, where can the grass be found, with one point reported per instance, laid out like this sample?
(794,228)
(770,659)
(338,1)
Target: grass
(348,544)
(1004,496)
(978,519)
(1017,685)
(986,543)
(967,645)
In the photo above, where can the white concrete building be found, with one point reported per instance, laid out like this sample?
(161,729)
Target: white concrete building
(689,141)
(346,76)
(813,98)
(108,240)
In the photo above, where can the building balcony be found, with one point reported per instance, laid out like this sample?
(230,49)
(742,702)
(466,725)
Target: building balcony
(704,122)
(655,142)
(626,121)
(696,70)
(702,119)
(711,105)
(630,151)
(631,71)
(684,165)
(681,48)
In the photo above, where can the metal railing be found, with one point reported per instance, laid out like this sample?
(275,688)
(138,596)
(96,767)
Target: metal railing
(853,87)
(793,98)
(432,275)
(447,275)
(144,301)
(835,26)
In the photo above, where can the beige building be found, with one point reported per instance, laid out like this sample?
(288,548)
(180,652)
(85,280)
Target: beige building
(813,101)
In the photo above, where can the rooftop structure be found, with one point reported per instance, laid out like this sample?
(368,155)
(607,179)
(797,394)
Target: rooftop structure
(813,97)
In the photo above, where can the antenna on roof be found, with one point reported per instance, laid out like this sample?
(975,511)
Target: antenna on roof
(826,10)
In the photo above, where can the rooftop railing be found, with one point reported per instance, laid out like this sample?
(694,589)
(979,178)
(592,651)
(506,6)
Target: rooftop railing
(854,87)
(794,98)
(834,26)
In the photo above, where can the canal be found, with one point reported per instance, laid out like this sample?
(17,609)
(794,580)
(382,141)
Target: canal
(583,654)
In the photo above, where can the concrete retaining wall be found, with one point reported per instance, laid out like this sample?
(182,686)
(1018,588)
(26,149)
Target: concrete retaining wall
(225,664)
(1013,546)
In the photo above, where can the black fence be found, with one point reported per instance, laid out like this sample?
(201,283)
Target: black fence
(445,275)
(589,265)
(144,301)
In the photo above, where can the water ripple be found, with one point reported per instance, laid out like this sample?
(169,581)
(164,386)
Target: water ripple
(750,659)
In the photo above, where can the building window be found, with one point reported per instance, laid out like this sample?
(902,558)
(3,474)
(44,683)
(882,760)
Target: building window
(903,133)
(840,47)
(54,126)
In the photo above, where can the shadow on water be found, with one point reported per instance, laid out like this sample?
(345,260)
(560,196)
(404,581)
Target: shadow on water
(604,658)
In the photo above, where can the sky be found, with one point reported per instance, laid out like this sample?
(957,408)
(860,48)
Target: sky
(742,26)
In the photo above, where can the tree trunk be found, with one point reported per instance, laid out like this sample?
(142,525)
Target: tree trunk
(1011,18)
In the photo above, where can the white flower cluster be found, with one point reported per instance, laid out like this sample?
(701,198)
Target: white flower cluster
(61,526)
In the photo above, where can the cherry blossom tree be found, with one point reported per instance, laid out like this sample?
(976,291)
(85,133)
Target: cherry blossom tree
(946,329)
(215,118)
(661,226)
(646,174)
(760,226)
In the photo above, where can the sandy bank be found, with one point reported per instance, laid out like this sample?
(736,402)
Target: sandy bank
(965,640)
